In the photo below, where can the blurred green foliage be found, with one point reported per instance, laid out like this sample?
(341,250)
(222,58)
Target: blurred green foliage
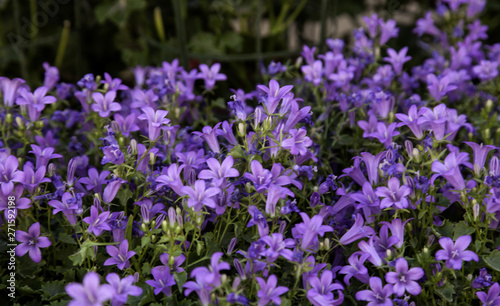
(82,36)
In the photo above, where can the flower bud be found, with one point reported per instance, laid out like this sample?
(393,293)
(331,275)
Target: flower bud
(144,228)
(115,127)
(475,211)
(487,133)
(152,158)
(489,105)
(409,148)
(430,240)
(20,123)
(164,226)
(133,146)
(223,279)
(39,124)
(388,254)
(416,155)
(51,169)
(9,118)
(153,223)
(241,129)
(178,229)
(282,227)
(327,244)
(231,246)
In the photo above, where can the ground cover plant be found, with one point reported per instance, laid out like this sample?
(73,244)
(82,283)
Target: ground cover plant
(357,176)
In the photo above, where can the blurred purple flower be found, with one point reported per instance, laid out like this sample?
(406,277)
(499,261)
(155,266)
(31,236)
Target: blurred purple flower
(269,292)
(210,75)
(105,104)
(121,288)
(90,293)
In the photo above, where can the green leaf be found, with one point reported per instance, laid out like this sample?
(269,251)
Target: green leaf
(180,279)
(446,292)
(237,152)
(124,195)
(128,229)
(146,269)
(462,229)
(53,290)
(493,260)
(445,230)
(145,241)
(79,257)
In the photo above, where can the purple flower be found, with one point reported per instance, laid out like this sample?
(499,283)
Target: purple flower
(483,280)
(277,247)
(105,104)
(68,207)
(43,155)
(426,26)
(32,242)
(450,170)
(394,195)
(369,248)
(455,253)
(372,164)
(35,101)
(210,75)
(357,231)
(258,218)
(119,256)
(21,203)
(397,59)
(121,288)
(274,94)
(260,177)
(126,125)
(219,172)
(90,293)
(493,296)
(387,30)
(211,275)
(404,279)
(210,135)
(438,88)
(437,119)
(162,282)
(384,133)
(97,222)
(148,210)
(156,119)
(113,84)
(9,174)
(378,295)
(413,120)
(480,153)
(397,228)
(111,190)
(356,268)
(486,70)
(10,90)
(199,196)
(171,177)
(51,76)
(95,180)
(298,142)
(309,230)
(321,293)
(269,292)
(313,73)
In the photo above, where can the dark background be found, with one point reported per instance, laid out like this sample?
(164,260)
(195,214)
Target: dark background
(114,35)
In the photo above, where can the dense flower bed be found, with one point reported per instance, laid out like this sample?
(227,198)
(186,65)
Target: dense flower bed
(373,178)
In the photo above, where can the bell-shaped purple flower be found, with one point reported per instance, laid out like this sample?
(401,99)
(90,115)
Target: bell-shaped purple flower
(105,104)
(121,288)
(397,59)
(219,172)
(394,194)
(298,142)
(210,75)
(97,222)
(9,174)
(321,289)
(199,195)
(274,94)
(35,101)
(269,292)
(9,90)
(156,120)
(492,297)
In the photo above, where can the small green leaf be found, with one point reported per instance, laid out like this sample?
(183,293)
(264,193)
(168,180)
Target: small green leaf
(145,241)
(63,237)
(493,260)
(180,279)
(446,292)
(124,195)
(462,229)
(53,290)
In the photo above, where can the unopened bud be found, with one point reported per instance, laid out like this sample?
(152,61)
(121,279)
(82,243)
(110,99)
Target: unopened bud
(475,211)
(223,279)
(51,169)
(409,148)
(20,123)
(489,105)
(152,158)
(115,126)
(487,133)
(321,245)
(388,253)
(178,229)
(416,155)
(144,228)
(9,118)
(425,250)
(430,240)
(133,146)
(164,226)
(327,244)
(39,124)
(153,223)
(171,260)
(241,129)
